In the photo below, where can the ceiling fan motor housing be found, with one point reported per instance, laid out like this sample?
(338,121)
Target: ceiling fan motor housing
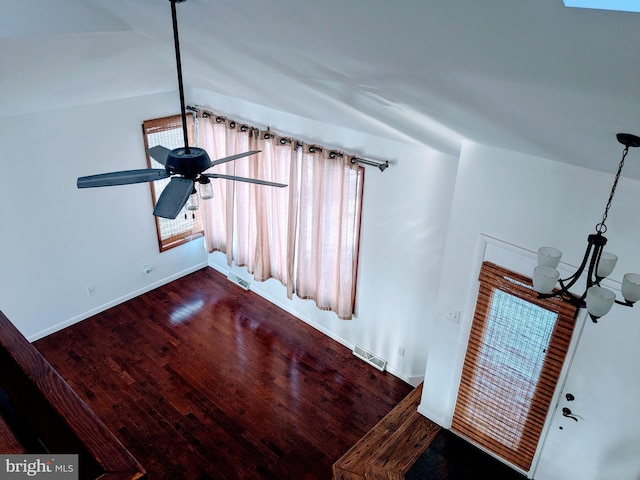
(189,164)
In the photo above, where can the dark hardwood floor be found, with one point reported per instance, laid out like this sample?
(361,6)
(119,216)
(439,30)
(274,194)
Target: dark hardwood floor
(202,380)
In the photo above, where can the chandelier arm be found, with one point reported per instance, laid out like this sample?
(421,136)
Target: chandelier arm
(576,276)
(578,302)
(564,291)
(572,280)
(592,278)
(626,303)
(565,294)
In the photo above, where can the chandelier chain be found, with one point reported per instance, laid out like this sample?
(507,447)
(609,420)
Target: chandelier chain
(601,227)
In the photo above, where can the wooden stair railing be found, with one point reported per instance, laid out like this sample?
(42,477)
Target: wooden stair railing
(390,448)
(51,413)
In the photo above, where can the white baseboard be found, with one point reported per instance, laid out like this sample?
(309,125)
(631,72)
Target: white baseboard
(306,320)
(434,417)
(113,303)
(413,380)
(256,289)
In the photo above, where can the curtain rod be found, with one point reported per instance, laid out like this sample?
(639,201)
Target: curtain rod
(363,161)
(381,165)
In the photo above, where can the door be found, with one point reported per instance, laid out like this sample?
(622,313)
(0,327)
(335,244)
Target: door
(601,439)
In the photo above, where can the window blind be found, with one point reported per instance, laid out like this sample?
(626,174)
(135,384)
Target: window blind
(516,350)
(167,131)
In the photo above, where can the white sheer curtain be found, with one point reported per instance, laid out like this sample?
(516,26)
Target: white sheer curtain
(329,229)
(307,235)
(265,215)
(220,138)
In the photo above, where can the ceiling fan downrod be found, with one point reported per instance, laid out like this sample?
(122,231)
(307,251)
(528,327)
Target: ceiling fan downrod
(176,43)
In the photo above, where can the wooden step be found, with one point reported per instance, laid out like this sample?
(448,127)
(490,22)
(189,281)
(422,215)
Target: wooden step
(389,449)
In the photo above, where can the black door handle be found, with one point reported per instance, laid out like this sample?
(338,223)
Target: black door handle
(566,412)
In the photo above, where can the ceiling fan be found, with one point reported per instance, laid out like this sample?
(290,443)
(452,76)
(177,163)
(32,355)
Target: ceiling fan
(185,166)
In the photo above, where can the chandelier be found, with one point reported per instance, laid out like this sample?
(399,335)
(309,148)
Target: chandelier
(598,264)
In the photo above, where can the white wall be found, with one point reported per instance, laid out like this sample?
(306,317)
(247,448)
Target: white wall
(57,240)
(530,202)
(405,216)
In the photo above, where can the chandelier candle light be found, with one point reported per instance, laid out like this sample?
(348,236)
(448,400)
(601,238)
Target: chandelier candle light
(599,264)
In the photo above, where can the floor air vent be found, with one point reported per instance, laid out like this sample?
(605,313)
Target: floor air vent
(370,358)
(238,281)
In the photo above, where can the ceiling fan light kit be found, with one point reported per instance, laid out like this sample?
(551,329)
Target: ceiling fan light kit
(185,166)
(598,263)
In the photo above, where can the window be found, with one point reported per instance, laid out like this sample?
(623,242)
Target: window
(306,236)
(516,350)
(186,226)
(619,5)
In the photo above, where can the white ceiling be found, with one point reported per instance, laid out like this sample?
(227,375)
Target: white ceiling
(526,75)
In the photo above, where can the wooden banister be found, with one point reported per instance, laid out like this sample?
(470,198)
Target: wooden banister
(50,411)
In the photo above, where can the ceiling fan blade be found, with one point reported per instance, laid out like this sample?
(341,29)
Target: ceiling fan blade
(159,154)
(234,157)
(173,197)
(244,179)
(124,177)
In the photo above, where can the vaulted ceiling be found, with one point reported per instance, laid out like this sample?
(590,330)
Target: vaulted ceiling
(526,75)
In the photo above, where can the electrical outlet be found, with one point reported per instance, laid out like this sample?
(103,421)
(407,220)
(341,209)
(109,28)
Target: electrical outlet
(401,350)
(91,290)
